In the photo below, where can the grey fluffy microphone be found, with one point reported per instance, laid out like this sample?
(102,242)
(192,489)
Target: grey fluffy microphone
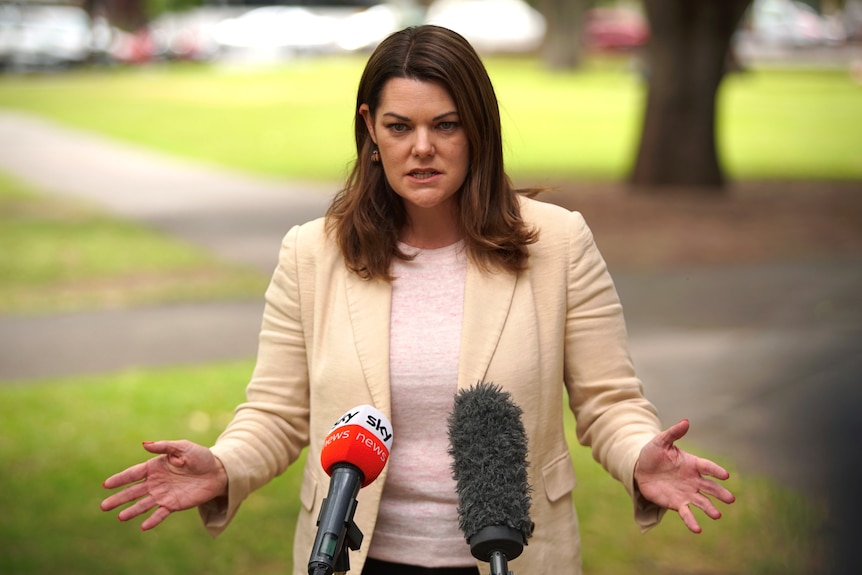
(488,446)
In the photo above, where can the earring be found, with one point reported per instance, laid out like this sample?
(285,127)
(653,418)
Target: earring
(375,156)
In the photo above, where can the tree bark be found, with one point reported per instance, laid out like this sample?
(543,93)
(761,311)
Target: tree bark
(564,19)
(686,61)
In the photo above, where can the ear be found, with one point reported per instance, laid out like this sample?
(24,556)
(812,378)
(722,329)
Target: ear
(365,112)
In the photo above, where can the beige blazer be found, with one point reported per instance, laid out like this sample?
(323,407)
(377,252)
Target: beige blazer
(324,348)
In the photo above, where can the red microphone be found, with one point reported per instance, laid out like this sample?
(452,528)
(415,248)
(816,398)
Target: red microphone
(353,455)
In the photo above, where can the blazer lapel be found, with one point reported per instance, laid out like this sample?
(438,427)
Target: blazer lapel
(487,300)
(369,303)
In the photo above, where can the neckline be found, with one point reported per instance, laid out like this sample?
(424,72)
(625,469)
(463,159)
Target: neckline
(413,249)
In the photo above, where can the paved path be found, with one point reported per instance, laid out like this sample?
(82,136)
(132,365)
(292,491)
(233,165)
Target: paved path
(239,217)
(765,360)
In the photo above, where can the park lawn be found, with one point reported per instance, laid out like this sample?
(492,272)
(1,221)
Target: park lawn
(58,255)
(63,437)
(296,120)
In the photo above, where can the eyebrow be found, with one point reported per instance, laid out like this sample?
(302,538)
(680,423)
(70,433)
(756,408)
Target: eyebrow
(406,119)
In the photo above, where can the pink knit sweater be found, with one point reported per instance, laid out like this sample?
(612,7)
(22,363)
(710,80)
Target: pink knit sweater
(418,519)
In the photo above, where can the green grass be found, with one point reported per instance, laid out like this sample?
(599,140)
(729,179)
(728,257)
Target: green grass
(296,120)
(57,255)
(62,438)
(785,124)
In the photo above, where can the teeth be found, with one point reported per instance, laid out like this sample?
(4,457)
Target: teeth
(422,175)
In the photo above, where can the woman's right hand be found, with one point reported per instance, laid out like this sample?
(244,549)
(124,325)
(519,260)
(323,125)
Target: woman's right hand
(183,476)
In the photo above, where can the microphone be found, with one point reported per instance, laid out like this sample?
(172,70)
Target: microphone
(353,455)
(488,446)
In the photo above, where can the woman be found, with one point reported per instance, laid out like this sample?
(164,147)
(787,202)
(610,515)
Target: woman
(428,274)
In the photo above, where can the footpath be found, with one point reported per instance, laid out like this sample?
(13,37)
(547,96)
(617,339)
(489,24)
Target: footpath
(765,360)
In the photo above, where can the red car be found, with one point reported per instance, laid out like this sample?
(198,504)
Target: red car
(614,29)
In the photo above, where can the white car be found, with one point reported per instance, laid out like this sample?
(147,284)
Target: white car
(273,33)
(280,31)
(43,36)
(491,25)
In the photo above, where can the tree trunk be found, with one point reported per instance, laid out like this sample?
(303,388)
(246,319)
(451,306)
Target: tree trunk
(564,19)
(686,59)
(129,15)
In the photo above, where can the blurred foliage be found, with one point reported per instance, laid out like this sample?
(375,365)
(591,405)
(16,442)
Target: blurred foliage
(158,7)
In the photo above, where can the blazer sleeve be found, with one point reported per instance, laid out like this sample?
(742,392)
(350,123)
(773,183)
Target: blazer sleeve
(270,429)
(613,417)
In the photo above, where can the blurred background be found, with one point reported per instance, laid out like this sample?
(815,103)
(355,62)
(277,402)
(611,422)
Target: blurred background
(37,34)
(154,152)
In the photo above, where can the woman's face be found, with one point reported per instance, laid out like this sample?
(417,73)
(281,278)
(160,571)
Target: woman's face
(423,147)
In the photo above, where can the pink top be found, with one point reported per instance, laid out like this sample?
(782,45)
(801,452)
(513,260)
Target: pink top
(418,516)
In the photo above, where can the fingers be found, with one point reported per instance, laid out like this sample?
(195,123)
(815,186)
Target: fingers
(707,467)
(675,432)
(145,502)
(688,518)
(137,489)
(136,472)
(126,495)
(703,503)
(161,447)
(718,491)
(139,471)
(157,517)
(130,475)
(141,506)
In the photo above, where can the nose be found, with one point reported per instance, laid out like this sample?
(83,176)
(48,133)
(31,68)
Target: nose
(423,146)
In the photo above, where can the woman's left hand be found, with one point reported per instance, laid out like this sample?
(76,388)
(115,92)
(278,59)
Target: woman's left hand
(675,479)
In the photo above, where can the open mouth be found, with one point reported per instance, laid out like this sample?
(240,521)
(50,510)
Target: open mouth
(423,174)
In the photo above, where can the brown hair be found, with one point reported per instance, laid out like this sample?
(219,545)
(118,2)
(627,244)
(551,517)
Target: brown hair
(367,215)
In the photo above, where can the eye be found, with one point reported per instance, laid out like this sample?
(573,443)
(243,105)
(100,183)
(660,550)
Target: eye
(448,126)
(397,127)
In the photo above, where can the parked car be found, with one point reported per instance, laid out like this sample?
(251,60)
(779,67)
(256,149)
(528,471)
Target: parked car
(43,36)
(491,25)
(274,32)
(792,23)
(614,29)
(365,29)
(278,32)
(188,34)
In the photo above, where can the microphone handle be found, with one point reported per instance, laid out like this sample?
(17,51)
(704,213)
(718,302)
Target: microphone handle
(335,522)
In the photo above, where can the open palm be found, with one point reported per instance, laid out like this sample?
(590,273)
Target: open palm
(675,479)
(183,476)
